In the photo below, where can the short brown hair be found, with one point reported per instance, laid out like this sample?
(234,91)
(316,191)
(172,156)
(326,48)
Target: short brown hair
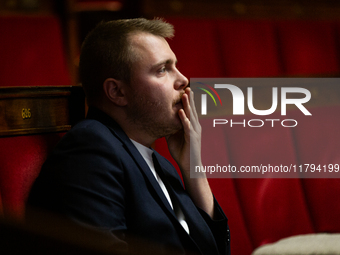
(106,52)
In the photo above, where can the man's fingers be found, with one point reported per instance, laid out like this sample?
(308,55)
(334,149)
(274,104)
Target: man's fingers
(192,105)
(190,109)
(186,104)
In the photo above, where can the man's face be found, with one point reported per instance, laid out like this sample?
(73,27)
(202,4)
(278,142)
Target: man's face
(156,86)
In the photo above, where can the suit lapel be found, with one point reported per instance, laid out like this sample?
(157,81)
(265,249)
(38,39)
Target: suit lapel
(143,166)
(117,131)
(199,230)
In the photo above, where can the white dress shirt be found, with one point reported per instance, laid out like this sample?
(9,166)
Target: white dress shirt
(147,155)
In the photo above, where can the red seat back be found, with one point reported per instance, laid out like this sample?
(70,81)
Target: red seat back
(308,47)
(32,52)
(248,48)
(21,158)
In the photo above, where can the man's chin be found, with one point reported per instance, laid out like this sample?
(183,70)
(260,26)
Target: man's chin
(173,130)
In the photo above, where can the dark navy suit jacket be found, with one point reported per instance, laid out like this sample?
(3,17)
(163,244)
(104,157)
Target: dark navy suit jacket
(96,176)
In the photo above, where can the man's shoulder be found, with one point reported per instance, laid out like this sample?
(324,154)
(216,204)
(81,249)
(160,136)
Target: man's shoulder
(98,123)
(87,146)
(90,127)
(88,136)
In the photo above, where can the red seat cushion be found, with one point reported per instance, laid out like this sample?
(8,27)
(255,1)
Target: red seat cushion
(21,158)
(317,141)
(263,201)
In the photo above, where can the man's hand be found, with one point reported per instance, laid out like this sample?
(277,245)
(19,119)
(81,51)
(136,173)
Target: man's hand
(180,144)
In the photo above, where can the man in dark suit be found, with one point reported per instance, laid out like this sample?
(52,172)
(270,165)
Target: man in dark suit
(104,172)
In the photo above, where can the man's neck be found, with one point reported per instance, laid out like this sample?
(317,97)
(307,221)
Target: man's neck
(133,130)
(139,137)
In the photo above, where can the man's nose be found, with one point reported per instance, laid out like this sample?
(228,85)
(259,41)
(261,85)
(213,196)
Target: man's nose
(181,81)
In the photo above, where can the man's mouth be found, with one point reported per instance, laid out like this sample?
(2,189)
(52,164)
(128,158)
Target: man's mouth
(179,103)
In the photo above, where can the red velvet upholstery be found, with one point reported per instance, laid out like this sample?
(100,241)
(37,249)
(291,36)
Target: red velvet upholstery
(248,48)
(200,48)
(20,162)
(263,200)
(317,141)
(224,189)
(32,52)
(308,47)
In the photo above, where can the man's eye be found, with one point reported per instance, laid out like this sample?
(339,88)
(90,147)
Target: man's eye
(162,70)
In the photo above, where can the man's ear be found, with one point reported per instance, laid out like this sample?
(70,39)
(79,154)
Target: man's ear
(115,91)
